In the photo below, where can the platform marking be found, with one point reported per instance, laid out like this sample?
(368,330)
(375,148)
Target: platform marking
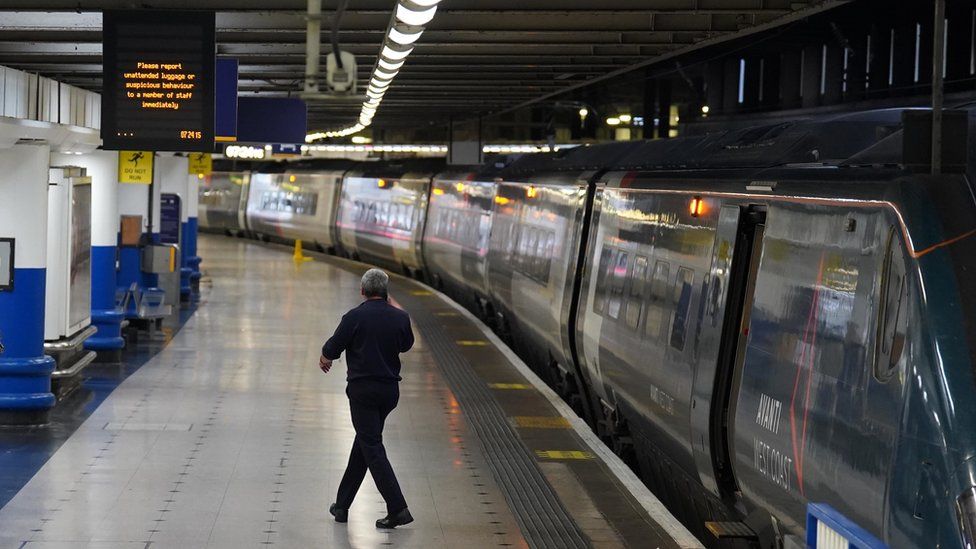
(446,313)
(509,386)
(472,342)
(541,422)
(131,426)
(563,454)
(651,504)
(421,292)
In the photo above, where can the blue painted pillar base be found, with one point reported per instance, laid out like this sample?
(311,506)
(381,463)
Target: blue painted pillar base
(109,335)
(25,372)
(25,390)
(192,259)
(185,288)
(108,340)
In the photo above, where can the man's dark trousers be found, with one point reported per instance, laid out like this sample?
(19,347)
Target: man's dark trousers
(370,402)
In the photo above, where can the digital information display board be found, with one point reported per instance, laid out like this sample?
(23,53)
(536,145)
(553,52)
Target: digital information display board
(158,80)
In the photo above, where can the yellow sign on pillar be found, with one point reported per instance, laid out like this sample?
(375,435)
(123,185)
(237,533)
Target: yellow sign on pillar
(200,164)
(136,167)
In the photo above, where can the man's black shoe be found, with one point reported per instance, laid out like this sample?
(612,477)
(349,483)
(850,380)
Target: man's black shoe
(396,519)
(341,515)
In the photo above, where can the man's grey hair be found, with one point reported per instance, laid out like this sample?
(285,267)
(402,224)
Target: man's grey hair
(375,283)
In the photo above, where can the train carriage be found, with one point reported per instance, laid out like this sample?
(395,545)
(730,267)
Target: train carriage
(749,327)
(298,204)
(538,227)
(223,202)
(456,238)
(382,213)
(758,320)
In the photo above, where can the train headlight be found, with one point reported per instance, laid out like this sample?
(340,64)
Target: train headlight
(966,513)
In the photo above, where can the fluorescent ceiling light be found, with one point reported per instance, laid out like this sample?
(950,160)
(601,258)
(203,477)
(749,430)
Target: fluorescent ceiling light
(416,18)
(394,55)
(426,3)
(374,94)
(383,75)
(402,38)
(377,83)
(390,66)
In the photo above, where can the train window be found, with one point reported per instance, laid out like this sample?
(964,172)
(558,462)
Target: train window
(682,305)
(635,300)
(602,274)
(617,280)
(531,259)
(892,311)
(547,254)
(654,323)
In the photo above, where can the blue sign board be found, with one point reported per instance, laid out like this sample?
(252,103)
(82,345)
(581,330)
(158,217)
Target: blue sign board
(225,93)
(170,217)
(271,120)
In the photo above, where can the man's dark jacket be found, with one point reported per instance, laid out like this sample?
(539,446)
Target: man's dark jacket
(372,335)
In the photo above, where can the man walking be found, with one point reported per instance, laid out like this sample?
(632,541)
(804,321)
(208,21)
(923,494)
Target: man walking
(372,335)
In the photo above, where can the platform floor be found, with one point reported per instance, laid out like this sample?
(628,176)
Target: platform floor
(232,437)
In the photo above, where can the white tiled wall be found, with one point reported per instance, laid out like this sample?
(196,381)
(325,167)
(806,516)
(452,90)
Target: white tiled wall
(32,97)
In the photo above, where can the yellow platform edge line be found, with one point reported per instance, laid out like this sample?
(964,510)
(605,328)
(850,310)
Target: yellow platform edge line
(509,386)
(563,454)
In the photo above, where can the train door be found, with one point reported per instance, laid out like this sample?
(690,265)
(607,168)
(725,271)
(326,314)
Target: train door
(722,331)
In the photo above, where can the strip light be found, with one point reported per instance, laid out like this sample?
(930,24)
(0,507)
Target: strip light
(406,25)
(503,149)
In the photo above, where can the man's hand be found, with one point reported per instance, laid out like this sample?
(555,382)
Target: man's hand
(325,364)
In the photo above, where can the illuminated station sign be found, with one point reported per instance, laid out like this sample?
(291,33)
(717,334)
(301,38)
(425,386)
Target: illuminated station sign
(158,80)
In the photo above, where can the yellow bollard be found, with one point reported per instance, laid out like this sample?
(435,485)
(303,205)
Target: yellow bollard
(299,255)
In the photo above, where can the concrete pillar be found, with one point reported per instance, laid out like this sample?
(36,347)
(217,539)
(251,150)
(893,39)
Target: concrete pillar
(958,43)
(663,108)
(714,72)
(810,77)
(753,82)
(730,85)
(856,74)
(789,79)
(102,167)
(173,179)
(649,110)
(770,80)
(904,67)
(191,260)
(834,75)
(25,371)
(880,61)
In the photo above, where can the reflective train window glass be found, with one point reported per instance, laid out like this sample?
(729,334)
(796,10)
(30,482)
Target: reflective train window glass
(539,256)
(682,305)
(656,306)
(892,311)
(602,274)
(528,261)
(547,264)
(635,301)
(617,280)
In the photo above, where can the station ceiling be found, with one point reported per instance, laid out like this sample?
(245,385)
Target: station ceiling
(476,57)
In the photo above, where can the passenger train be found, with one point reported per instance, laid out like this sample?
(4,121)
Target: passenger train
(757,320)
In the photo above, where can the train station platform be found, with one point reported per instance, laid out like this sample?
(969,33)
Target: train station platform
(232,437)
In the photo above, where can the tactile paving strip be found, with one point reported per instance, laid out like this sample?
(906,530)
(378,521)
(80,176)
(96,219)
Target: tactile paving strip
(544,521)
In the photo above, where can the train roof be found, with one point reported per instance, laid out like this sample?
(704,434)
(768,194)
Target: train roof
(575,159)
(396,168)
(826,140)
(493,166)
